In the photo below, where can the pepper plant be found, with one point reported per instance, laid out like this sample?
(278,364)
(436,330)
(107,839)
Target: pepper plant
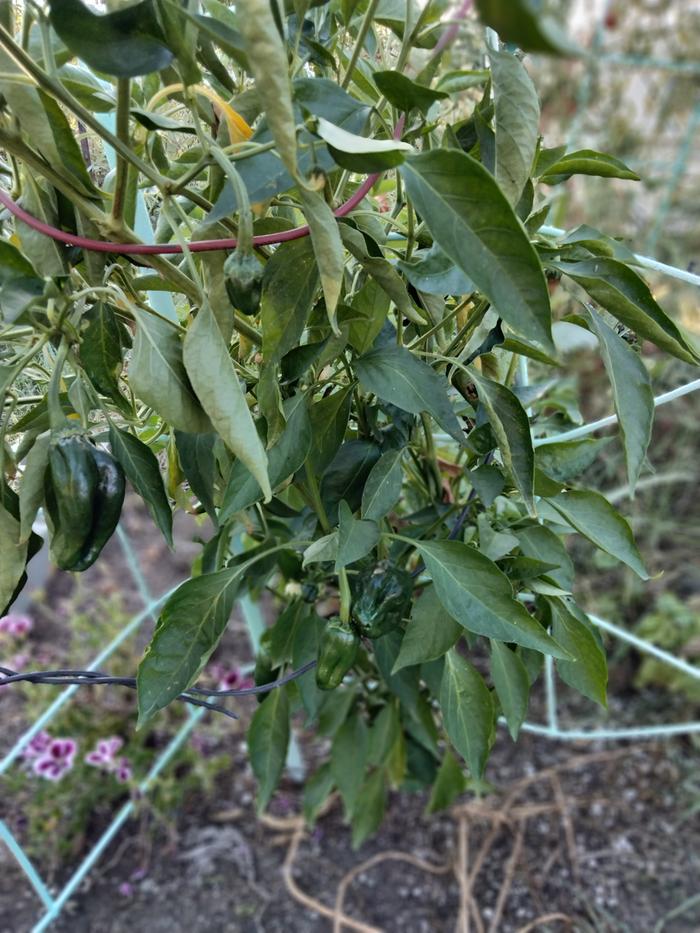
(323,355)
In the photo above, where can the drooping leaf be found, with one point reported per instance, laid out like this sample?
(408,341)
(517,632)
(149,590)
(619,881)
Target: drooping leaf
(632,393)
(349,760)
(157,374)
(479,596)
(198,461)
(511,427)
(13,556)
(395,375)
(467,710)
(592,516)
(449,784)
(268,739)
(434,273)
(565,460)
(383,487)
(512,684)
(141,468)
(622,292)
(189,628)
(540,543)
(356,537)
(369,808)
(517,122)
(329,421)
(289,285)
(31,490)
(473,223)
(588,672)
(100,350)
(328,248)
(125,43)
(218,388)
(346,475)
(430,633)
(284,458)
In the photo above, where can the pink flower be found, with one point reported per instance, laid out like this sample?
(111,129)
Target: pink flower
(126,889)
(36,746)
(230,678)
(16,626)
(103,756)
(56,760)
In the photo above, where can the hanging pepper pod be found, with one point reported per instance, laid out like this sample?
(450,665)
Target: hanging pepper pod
(70,486)
(382,599)
(337,652)
(244,277)
(108,502)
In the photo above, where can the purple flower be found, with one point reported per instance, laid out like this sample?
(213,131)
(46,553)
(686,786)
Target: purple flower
(56,760)
(123,772)
(126,889)
(16,626)
(230,678)
(37,746)
(103,756)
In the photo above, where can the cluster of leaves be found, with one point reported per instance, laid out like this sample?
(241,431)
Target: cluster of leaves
(371,411)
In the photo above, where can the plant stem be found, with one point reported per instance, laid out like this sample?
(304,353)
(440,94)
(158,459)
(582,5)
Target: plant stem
(53,398)
(345,598)
(315,494)
(122,177)
(360,41)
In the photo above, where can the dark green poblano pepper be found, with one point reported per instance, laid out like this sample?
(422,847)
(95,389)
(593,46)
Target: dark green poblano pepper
(382,599)
(337,652)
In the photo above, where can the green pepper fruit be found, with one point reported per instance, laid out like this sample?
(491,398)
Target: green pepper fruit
(108,501)
(382,599)
(244,276)
(265,671)
(70,484)
(337,652)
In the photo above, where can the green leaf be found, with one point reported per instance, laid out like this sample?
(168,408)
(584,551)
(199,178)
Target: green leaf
(157,374)
(284,458)
(346,476)
(100,349)
(370,307)
(434,273)
(430,633)
(405,94)
(383,487)
(588,673)
(216,383)
(198,462)
(488,481)
(13,264)
(473,223)
(369,808)
(449,784)
(511,427)
(467,710)
(268,739)
(31,491)
(321,550)
(141,468)
(289,285)
(395,375)
(517,123)
(512,684)
(356,537)
(565,460)
(540,543)
(329,421)
(189,628)
(284,632)
(627,297)
(384,732)
(479,596)
(525,24)
(586,162)
(13,556)
(126,43)
(381,271)
(317,789)
(592,516)
(267,57)
(328,248)
(349,760)
(632,393)
(361,153)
